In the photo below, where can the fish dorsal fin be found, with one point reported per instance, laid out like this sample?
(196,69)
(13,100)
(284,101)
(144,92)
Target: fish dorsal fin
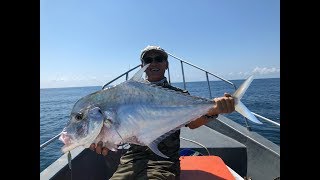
(138,75)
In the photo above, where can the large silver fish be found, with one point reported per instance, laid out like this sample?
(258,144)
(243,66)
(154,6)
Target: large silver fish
(137,112)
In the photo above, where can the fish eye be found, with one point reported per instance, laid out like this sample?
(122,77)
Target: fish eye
(78,116)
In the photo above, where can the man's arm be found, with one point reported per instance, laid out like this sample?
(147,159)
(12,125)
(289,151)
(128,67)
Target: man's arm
(223,104)
(200,121)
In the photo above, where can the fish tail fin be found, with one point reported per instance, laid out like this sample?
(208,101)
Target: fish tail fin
(239,106)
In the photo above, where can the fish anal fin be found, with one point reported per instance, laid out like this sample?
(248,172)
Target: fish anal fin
(154,144)
(154,148)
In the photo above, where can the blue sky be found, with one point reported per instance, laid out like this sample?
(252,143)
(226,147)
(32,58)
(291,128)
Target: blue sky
(88,43)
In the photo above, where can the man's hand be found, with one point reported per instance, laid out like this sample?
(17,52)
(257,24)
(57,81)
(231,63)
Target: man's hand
(224,104)
(99,148)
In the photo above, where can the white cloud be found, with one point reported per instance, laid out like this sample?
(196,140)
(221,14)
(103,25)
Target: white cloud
(265,70)
(71,80)
(59,79)
(258,72)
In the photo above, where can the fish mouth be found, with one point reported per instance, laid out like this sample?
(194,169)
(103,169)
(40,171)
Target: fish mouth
(66,139)
(71,143)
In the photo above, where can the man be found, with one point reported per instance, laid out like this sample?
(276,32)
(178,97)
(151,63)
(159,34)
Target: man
(139,162)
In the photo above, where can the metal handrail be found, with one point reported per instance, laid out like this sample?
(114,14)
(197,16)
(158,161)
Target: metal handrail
(184,84)
(49,141)
(208,82)
(264,118)
(126,73)
(207,72)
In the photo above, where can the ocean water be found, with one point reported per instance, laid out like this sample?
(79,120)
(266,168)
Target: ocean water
(262,97)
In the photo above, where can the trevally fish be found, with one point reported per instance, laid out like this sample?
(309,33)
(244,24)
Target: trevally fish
(137,112)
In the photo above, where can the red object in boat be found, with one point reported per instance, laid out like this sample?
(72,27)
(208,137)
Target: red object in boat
(204,167)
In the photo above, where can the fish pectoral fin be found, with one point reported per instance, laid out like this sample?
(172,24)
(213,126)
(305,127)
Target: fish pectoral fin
(154,148)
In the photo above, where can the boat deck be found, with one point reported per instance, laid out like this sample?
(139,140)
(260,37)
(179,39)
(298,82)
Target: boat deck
(87,164)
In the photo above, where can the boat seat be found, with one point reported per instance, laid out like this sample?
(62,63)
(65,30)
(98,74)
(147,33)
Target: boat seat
(233,153)
(204,167)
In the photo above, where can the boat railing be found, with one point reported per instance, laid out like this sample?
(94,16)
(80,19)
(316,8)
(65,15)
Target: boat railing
(126,73)
(182,62)
(209,88)
(49,141)
(206,72)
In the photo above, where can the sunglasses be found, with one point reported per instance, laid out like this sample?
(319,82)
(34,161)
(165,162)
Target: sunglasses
(157,59)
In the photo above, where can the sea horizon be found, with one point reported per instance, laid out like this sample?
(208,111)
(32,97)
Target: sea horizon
(171,82)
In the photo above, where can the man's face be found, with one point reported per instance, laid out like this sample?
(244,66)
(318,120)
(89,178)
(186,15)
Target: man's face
(157,67)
